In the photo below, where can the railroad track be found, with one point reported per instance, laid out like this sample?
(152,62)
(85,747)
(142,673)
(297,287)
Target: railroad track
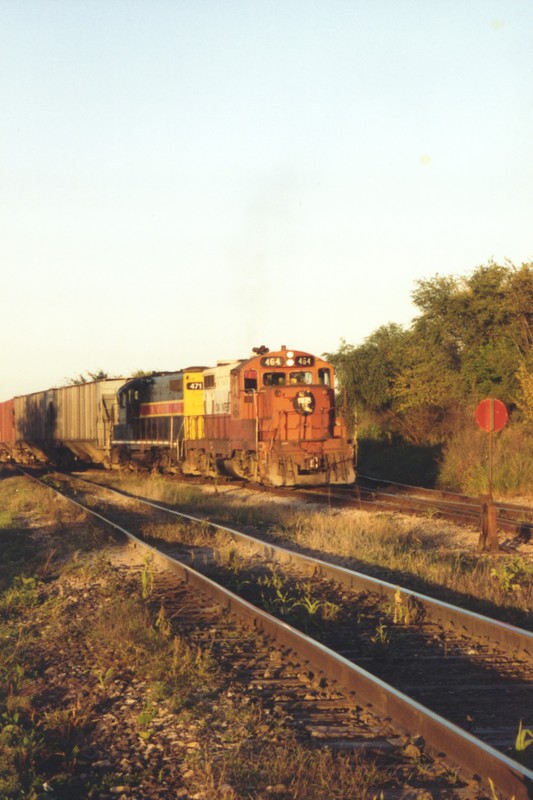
(381,494)
(450,668)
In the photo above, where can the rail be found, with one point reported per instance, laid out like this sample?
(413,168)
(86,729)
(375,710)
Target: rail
(443,738)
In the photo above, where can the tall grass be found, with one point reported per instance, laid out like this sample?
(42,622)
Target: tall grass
(465,461)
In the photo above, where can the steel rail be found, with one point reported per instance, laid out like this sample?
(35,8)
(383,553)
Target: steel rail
(509,637)
(447,498)
(443,739)
(460,508)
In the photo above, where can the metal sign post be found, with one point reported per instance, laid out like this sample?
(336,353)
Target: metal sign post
(491,416)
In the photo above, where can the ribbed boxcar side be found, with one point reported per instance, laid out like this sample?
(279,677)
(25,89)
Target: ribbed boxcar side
(35,423)
(86,414)
(7,429)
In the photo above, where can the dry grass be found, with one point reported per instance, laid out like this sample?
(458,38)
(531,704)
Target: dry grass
(423,554)
(70,647)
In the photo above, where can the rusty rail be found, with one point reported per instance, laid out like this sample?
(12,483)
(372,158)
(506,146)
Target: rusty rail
(443,739)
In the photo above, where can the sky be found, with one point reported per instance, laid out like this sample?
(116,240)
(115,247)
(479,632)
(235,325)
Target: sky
(183,180)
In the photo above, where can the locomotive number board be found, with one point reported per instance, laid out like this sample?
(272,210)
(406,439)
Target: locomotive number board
(280,361)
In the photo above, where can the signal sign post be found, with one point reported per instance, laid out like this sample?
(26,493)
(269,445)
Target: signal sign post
(491,416)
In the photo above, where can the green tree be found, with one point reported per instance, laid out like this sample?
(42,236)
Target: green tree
(100,375)
(480,327)
(473,337)
(367,373)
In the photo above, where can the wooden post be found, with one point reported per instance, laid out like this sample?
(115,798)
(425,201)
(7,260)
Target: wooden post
(488,538)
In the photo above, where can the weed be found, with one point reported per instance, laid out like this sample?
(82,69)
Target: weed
(23,594)
(103,677)
(402,613)
(381,636)
(20,744)
(46,567)
(66,727)
(403,610)
(330,611)
(494,794)
(147,578)
(162,624)
(511,574)
(275,595)
(524,738)
(145,719)
(310,605)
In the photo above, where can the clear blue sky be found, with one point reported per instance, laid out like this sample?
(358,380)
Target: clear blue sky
(182,180)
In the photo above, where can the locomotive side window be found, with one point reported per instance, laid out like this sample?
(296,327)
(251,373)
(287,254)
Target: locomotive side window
(250,380)
(274,379)
(209,382)
(324,377)
(301,378)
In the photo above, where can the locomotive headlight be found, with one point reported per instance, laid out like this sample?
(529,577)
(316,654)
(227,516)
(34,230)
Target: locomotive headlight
(290,362)
(290,354)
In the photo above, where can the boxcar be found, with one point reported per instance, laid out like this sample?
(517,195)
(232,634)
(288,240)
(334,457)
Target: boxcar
(84,418)
(65,425)
(35,419)
(7,429)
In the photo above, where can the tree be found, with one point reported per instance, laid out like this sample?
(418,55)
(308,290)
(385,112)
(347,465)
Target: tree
(100,375)
(367,373)
(473,337)
(480,326)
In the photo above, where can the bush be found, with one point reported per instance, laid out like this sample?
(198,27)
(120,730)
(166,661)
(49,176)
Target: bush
(465,462)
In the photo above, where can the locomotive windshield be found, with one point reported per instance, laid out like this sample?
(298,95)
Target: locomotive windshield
(300,378)
(324,377)
(274,379)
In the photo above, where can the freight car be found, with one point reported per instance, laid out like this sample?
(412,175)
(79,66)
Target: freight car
(270,419)
(62,426)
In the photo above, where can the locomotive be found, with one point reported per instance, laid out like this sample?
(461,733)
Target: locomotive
(269,419)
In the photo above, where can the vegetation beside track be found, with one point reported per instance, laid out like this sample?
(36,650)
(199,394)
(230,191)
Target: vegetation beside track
(431,556)
(92,673)
(412,392)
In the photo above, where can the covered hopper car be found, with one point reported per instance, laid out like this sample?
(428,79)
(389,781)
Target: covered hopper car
(61,426)
(270,419)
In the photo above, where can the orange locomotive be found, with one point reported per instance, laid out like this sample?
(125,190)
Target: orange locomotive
(271,419)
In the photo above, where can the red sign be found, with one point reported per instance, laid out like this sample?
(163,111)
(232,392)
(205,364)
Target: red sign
(491,414)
